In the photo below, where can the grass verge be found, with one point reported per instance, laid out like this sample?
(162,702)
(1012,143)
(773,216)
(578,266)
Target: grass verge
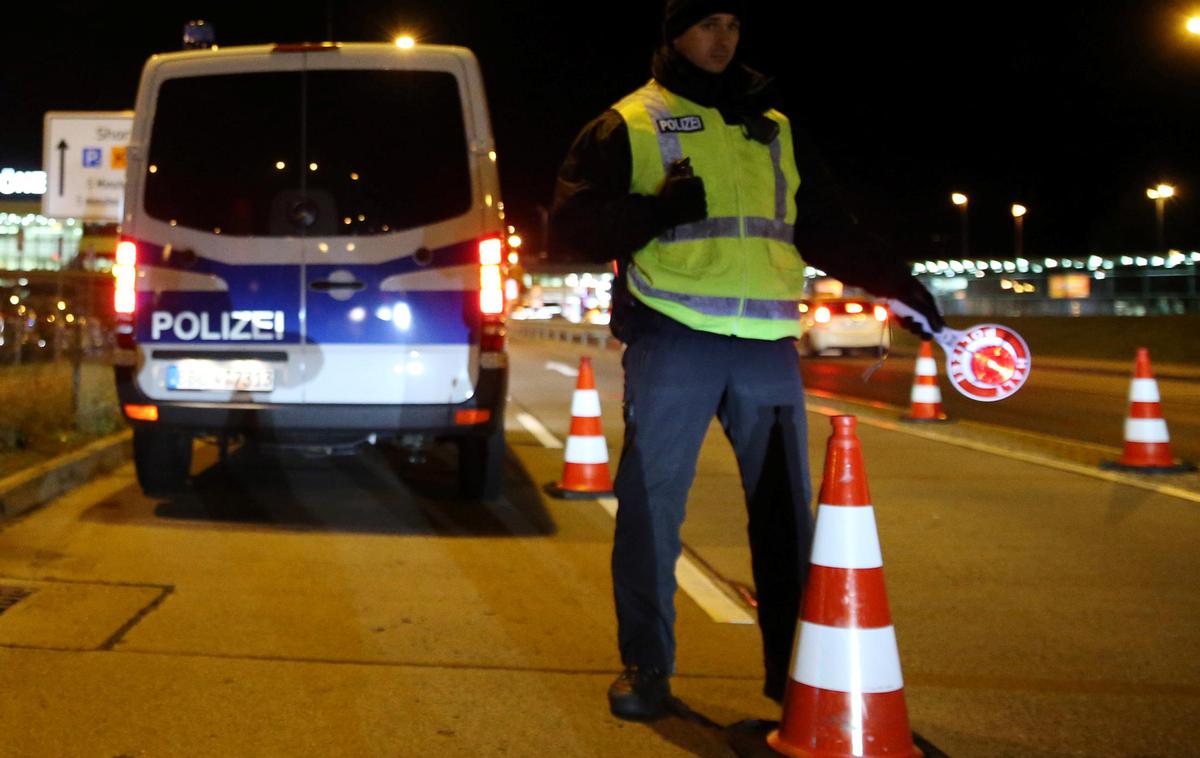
(40,416)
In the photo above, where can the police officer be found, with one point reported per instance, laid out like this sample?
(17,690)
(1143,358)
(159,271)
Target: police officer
(707,198)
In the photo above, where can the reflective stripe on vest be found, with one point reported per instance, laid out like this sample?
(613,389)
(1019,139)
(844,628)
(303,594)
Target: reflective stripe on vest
(711,305)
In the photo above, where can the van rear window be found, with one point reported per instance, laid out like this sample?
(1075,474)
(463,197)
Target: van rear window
(330,152)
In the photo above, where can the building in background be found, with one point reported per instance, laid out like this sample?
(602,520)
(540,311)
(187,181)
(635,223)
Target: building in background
(31,241)
(1133,284)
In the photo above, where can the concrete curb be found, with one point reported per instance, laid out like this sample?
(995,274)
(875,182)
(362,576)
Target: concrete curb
(40,484)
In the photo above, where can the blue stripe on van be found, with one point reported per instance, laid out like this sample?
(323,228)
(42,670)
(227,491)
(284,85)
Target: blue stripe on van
(261,298)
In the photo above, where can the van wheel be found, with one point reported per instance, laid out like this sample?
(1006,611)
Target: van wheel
(162,460)
(481,465)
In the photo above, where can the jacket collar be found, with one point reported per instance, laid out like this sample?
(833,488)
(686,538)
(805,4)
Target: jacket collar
(739,93)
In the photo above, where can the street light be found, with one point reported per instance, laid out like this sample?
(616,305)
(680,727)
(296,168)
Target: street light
(1018,214)
(1193,25)
(962,201)
(1160,195)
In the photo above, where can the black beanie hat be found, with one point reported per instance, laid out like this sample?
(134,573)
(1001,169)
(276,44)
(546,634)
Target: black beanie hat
(679,15)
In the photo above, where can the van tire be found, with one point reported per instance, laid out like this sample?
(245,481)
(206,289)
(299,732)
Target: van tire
(481,465)
(162,460)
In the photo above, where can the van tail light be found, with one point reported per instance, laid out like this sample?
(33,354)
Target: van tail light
(881,313)
(491,284)
(491,294)
(821,315)
(125,273)
(125,292)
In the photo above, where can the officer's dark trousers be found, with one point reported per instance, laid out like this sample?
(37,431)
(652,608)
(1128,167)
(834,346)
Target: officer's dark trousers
(675,383)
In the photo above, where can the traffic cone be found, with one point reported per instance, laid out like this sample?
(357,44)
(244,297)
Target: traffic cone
(845,695)
(585,469)
(926,396)
(1147,443)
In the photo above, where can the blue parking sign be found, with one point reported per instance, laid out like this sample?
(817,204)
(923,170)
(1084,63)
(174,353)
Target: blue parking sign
(92,157)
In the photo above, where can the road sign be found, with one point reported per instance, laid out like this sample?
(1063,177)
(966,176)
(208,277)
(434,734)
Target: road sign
(83,153)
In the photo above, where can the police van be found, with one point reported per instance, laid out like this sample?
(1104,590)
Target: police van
(311,255)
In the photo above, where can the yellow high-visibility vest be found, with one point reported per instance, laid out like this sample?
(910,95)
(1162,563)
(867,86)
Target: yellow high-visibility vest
(737,272)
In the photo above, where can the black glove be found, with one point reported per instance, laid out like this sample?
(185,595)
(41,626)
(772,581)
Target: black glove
(681,197)
(915,296)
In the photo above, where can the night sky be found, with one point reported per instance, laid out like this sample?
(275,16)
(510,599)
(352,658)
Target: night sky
(1070,108)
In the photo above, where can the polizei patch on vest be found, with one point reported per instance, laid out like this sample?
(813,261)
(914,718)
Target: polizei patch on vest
(680,124)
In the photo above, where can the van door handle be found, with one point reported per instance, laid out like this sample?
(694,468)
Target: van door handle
(328,285)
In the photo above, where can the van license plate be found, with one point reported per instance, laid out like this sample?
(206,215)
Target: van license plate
(234,376)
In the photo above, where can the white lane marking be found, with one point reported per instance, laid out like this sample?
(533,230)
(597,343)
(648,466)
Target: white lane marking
(543,435)
(562,368)
(718,605)
(1016,455)
(699,587)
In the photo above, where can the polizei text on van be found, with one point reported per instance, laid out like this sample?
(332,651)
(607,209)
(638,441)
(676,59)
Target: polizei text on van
(226,326)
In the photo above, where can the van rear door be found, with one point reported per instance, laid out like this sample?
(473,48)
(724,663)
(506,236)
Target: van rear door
(391,261)
(219,261)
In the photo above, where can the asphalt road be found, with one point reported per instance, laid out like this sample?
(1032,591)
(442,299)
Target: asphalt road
(289,605)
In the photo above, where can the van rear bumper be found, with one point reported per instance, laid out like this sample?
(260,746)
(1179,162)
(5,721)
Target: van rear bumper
(319,422)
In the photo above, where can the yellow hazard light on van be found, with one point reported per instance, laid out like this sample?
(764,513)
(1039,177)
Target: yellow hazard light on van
(141,412)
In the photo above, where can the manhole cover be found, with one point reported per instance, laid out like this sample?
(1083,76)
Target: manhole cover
(10,596)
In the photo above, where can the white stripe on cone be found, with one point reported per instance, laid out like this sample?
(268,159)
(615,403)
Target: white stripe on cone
(926,393)
(586,450)
(847,660)
(585,404)
(846,538)
(1146,430)
(926,367)
(1144,391)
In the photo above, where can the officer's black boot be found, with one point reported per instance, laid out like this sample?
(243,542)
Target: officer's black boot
(640,693)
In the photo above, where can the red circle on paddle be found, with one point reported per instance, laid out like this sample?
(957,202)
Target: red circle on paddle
(989,362)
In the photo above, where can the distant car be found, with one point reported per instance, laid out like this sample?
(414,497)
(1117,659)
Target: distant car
(843,325)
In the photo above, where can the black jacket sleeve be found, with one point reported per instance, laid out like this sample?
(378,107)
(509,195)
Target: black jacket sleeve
(830,237)
(595,217)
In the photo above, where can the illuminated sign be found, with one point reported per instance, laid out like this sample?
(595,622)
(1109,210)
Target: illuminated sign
(13,182)
(84,154)
(1070,286)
